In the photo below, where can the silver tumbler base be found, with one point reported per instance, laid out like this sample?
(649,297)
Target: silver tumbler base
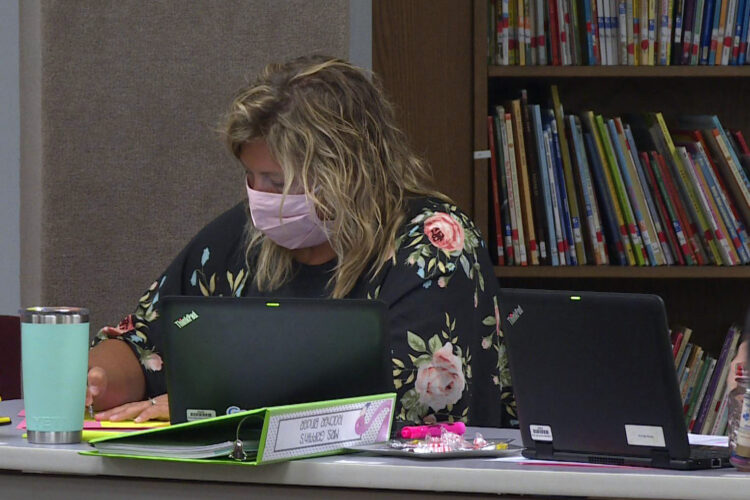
(53,437)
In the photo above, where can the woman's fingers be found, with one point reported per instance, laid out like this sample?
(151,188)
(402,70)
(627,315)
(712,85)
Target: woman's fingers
(140,411)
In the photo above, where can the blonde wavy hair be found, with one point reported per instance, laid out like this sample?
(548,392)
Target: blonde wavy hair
(333,132)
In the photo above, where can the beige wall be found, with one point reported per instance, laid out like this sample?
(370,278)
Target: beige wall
(121,163)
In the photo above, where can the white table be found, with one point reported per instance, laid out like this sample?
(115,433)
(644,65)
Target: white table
(32,472)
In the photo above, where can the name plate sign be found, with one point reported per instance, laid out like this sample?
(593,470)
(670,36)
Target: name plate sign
(325,429)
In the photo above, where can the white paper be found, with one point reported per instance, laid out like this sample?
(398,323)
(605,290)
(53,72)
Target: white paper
(708,440)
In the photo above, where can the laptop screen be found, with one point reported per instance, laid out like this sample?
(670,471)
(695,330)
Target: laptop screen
(593,373)
(228,354)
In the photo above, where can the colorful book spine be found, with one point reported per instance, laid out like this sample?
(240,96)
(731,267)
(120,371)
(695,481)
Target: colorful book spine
(741,58)
(702,394)
(572,201)
(562,194)
(684,186)
(503,169)
(667,224)
(715,403)
(697,32)
(554,33)
(514,198)
(636,203)
(609,220)
(620,238)
(683,47)
(539,33)
(559,231)
(639,253)
(603,27)
(728,34)
(537,202)
(737,35)
(544,184)
(715,31)
(714,384)
(593,222)
(726,254)
(646,193)
(688,243)
(591,59)
(494,181)
(677,27)
(706,31)
(532,251)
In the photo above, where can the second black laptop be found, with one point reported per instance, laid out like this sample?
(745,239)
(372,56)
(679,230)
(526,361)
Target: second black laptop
(594,379)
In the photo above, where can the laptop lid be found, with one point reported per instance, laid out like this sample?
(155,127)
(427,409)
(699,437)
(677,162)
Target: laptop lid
(594,376)
(229,354)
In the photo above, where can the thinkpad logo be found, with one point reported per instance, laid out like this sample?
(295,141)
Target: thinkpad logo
(513,317)
(186,319)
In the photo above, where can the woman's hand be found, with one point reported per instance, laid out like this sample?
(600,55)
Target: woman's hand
(140,411)
(96,384)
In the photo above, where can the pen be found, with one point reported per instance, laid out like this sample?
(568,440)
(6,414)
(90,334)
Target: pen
(422,431)
(91,411)
(4,420)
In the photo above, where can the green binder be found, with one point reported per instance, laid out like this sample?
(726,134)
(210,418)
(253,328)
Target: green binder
(272,434)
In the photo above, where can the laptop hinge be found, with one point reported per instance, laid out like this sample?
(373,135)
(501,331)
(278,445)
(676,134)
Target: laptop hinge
(660,458)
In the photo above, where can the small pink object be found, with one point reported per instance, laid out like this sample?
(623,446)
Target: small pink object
(422,431)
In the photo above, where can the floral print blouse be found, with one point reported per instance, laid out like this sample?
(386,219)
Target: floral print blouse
(448,356)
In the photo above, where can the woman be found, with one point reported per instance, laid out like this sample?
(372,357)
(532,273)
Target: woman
(338,207)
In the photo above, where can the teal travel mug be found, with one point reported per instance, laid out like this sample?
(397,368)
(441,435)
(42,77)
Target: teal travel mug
(54,364)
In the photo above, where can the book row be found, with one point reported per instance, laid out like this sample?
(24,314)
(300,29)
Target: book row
(702,380)
(582,189)
(618,32)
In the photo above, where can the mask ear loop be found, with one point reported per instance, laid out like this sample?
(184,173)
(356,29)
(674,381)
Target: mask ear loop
(238,452)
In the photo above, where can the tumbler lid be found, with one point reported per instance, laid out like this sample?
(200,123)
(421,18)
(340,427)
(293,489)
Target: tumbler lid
(54,315)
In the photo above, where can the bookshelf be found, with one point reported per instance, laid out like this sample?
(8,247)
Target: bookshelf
(706,298)
(423,48)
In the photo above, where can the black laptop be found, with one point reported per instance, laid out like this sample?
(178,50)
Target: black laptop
(223,355)
(594,379)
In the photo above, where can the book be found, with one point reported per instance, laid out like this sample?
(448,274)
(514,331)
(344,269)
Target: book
(506,210)
(676,212)
(564,208)
(724,157)
(686,334)
(494,187)
(527,216)
(267,435)
(620,193)
(695,406)
(514,203)
(544,183)
(636,194)
(675,247)
(617,232)
(536,194)
(676,338)
(560,239)
(586,189)
(646,193)
(567,168)
(733,229)
(712,411)
(718,378)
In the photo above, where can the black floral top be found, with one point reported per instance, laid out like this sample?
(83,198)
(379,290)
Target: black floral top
(448,355)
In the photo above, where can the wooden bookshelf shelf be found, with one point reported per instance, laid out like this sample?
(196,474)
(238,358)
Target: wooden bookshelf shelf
(617,272)
(618,71)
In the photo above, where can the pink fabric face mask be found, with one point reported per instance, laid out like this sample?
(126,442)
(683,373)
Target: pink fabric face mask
(298,226)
